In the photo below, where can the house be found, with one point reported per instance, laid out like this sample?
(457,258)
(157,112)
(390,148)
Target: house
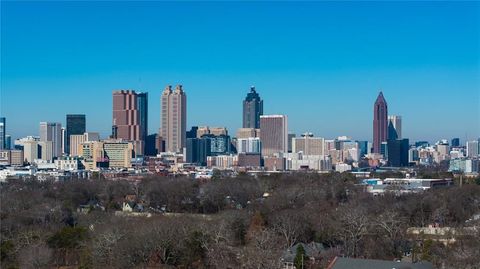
(91,205)
(313,251)
(130,206)
(349,263)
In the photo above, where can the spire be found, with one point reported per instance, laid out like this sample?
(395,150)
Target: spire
(380,98)
(168,90)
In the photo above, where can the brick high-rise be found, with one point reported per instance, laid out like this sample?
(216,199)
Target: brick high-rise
(126,119)
(380,122)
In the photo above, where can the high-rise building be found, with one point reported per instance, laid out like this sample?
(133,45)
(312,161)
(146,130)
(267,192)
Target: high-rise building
(126,119)
(380,122)
(64,140)
(455,142)
(150,145)
(119,153)
(249,145)
(193,132)
(75,142)
(3,127)
(142,100)
(394,127)
(472,148)
(290,142)
(46,150)
(398,152)
(197,150)
(30,147)
(8,141)
(273,134)
(363,147)
(51,132)
(75,126)
(174,118)
(308,144)
(252,109)
(219,144)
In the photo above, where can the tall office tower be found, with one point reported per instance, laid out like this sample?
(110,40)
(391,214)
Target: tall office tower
(363,147)
(290,141)
(51,132)
(252,109)
(64,140)
(455,142)
(380,122)
(398,152)
(394,127)
(308,144)
(472,148)
(197,150)
(75,126)
(8,142)
(273,134)
(174,118)
(3,127)
(126,119)
(142,100)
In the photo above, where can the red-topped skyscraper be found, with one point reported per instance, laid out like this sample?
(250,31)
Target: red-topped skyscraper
(380,122)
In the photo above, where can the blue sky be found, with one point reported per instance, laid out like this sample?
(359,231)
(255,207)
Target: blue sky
(320,63)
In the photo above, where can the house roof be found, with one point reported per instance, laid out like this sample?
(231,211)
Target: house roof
(348,263)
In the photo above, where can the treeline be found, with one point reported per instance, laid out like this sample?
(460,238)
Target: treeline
(241,222)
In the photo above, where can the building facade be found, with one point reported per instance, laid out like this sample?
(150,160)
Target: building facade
(398,152)
(51,132)
(380,123)
(174,118)
(3,128)
(249,145)
(273,134)
(308,144)
(76,125)
(394,127)
(126,119)
(252,109)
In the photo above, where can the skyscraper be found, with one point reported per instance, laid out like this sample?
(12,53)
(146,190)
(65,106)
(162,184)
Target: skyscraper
(273,134)
(455,142)
(126,119)
(174,118)
(75,126)
(397,150)
(3,126)
(472,148)
(142,100)
(51,135)
(380,122)
(394,127)
(252,109)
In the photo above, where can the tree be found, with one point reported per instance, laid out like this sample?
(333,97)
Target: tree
(300,257)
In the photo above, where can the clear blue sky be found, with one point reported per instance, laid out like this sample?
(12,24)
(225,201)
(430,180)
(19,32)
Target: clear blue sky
(321,63)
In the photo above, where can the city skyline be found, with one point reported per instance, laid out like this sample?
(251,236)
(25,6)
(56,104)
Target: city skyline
(326,88)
